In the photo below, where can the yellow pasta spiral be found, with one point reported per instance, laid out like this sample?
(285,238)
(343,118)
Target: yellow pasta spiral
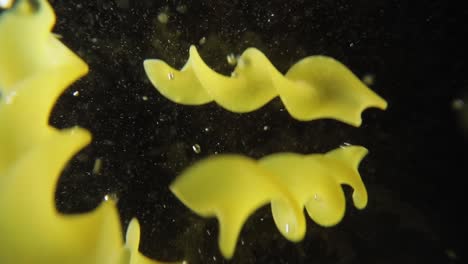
(35,68)
(315,87)
(232,187)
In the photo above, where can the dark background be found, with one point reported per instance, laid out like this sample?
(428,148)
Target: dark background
(417,162)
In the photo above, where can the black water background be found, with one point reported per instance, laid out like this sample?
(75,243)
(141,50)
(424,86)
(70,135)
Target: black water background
(417,162)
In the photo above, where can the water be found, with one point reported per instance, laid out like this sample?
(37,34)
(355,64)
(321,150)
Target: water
(417,150)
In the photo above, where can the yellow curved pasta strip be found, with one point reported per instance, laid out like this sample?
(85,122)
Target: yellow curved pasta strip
(313,88)
(35,68)
(232,187)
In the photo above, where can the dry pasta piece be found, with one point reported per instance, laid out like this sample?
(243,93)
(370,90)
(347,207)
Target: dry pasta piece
(35,68)
(232,187)
(313,88)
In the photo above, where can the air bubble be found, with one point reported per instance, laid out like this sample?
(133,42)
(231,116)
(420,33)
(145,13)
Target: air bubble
(170,76)
(231,59)
(202,41)
(457,104)
(196,148)
(111,197)
(97,166)
(368,79)
(182,8)
(316,197)
(163,18)
(345,144)
(451,254)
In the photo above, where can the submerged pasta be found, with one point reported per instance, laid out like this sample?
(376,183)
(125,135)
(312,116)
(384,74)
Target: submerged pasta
(313,88)
(35,68)
(232,187)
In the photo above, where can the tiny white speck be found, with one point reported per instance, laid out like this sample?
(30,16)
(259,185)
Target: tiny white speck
(76,93)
